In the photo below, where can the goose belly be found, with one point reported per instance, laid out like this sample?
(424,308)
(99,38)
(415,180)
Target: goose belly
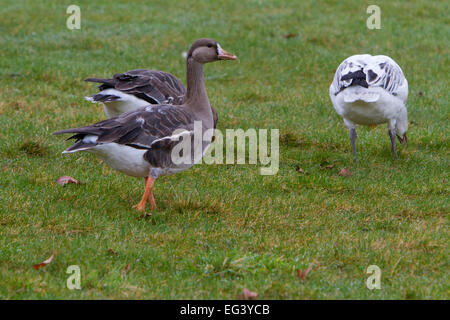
(369,107)
(127,160)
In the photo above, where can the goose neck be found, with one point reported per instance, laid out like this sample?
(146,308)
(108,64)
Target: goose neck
(196,91)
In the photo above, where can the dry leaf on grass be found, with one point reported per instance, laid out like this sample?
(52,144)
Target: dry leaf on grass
(46,262)
(290,35)
(345,172)
(111,251)
(247,294)
(126,268)
(65,180)
(327,166)
(300,170)
(303,273)
(68,198)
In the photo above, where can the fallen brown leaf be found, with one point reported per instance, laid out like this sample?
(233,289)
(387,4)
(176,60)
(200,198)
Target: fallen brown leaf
(68,198)
(290,35)
(303,273)
(247,294)
(345,172)
(327,166)
(300,170)
(65,180)
(46,262)
(126,268)
(114,253)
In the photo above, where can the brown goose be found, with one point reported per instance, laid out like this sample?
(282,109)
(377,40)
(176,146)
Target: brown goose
(137,88)
(143,142)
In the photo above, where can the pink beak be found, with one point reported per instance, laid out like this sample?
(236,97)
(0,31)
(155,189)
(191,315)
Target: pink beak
(223,55)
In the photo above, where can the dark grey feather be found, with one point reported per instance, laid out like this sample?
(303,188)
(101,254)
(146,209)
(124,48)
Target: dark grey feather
(139,129)
(149,85)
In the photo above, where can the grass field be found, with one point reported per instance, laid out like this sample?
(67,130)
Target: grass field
(221,228)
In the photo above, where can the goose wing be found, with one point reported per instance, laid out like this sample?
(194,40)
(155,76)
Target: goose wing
(351,64)
(377,71)
(152,86)
(384,72)
(156,128)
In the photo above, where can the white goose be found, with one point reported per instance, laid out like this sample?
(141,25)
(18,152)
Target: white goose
(370,90)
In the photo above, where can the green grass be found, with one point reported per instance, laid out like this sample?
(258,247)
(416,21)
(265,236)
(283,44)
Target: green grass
(221,228)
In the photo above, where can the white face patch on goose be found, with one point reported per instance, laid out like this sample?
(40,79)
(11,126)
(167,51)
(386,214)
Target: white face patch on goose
(219,50)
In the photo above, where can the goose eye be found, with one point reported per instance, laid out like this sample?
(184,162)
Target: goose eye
(210,45)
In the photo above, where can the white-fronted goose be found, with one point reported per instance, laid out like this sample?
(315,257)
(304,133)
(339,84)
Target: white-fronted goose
(137,88)
(139,143)
(370,90)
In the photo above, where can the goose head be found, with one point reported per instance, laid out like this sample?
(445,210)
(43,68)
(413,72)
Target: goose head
(208,50)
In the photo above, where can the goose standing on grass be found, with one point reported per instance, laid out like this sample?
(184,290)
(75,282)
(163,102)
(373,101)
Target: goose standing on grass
(370,90)
(139,143)
(138,88)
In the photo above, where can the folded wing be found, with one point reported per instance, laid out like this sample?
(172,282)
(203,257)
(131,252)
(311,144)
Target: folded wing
(153,86)
(156,129)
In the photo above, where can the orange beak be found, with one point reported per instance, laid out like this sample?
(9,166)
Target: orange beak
(223,55)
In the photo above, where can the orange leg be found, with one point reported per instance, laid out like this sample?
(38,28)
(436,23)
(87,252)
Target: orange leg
(148,194)
(151,199)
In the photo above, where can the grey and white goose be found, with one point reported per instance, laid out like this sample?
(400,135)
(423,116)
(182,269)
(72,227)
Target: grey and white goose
(369,90)
(144,142)
(138,88)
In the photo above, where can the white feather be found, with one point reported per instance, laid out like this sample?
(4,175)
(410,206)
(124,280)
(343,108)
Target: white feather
(175,136)
(127,102)
(125,159)
(90,138)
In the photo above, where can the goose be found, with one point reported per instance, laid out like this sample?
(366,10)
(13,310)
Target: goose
(142,142)
(135,89)
(370,90)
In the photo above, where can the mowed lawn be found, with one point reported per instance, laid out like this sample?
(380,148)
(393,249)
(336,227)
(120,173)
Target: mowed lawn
(221,228)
